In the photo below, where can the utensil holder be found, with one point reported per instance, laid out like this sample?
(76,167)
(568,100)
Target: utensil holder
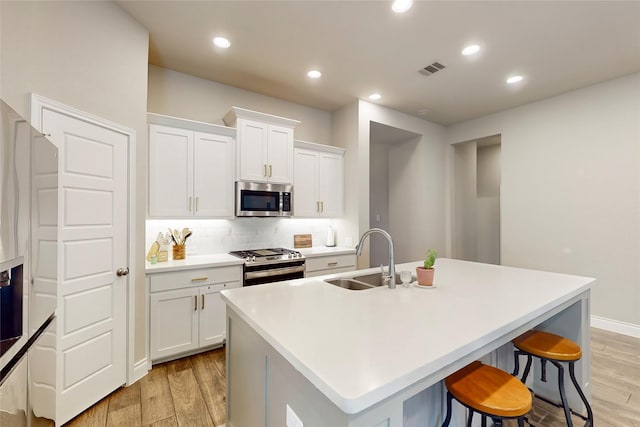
(178,252)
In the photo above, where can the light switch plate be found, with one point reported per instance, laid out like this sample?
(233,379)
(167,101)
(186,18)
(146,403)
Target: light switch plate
(292,418)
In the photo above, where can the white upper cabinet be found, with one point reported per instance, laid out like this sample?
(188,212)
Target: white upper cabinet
(319,180)
(265,145)
(191,168)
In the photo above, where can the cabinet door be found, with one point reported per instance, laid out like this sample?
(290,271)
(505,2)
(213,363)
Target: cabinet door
(213,314)
(174,322)
(170,166)
(330,184)
(213,175)
(252,143)
(305,182)
(280,154)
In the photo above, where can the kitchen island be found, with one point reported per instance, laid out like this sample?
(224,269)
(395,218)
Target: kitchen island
(338,357)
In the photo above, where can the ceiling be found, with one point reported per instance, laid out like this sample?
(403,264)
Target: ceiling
(362,47)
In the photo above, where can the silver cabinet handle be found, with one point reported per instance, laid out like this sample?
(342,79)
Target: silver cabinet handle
(321,206)
(270,170)
(265,169)
(197,203)
(195,303)
(317,206)
(122,272)
(199,279)
(190,200)
(202,301)
(332,263)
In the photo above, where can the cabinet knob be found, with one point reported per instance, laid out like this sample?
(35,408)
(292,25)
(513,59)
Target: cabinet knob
(122,272)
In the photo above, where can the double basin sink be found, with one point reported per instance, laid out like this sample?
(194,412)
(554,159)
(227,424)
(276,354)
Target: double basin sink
(360,283)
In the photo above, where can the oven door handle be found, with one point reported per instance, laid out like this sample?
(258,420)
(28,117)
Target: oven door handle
(273,272)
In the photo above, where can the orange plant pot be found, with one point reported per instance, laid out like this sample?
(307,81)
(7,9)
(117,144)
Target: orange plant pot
(425,276)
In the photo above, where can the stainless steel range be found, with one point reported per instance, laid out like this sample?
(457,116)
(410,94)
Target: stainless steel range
(270,265)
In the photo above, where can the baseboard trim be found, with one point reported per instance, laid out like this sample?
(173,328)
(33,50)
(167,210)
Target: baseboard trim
(616,326)
(140,369)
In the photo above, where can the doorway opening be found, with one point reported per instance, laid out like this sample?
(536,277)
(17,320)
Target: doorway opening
(390,152)
(476,200)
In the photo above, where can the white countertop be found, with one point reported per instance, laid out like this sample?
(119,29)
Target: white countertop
(360,347)
(221,260)
(325,250)
(192,262)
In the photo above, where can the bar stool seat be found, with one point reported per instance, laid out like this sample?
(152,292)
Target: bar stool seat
(549,346)
(555,349)
(489,391)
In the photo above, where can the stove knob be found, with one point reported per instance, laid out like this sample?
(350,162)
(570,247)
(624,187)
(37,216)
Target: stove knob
(290,255)
(247,258)
(253,258)
(298,254)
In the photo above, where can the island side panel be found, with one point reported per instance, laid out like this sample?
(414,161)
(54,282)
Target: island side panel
(261,383)
(246,359)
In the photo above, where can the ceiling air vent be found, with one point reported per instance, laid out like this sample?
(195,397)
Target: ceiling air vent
(432,69)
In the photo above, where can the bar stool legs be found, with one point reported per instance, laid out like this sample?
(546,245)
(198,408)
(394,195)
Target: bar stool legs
(561,388)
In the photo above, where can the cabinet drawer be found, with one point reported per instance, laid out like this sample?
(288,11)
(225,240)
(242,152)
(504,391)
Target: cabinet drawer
(199,277)
(330,262)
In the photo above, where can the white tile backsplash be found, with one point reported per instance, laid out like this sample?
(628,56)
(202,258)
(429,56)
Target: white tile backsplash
(221,236)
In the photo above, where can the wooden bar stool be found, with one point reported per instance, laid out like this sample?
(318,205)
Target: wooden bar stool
(555,349)
(488,391)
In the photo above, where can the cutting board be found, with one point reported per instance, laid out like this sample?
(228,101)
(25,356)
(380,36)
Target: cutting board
(302,241)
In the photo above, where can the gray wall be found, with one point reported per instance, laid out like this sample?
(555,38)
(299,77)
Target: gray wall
(571,188)
(91,56)
(182,95)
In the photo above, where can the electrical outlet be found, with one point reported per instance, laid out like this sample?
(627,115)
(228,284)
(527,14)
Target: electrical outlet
(292,418)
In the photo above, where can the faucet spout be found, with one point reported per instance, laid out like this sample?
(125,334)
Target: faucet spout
(392,262)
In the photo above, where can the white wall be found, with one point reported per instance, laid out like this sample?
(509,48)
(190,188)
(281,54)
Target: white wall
(182,95)
(571,188)
(464,209)
(91,56)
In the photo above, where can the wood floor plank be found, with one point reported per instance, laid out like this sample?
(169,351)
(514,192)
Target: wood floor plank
(187,399)
(130,416)
(125,396)
(95,416)
(167,422)
(155,396)
(212,384)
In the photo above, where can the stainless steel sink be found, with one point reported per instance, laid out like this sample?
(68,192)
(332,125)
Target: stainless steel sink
(374,279)
(352,284)
(359,283)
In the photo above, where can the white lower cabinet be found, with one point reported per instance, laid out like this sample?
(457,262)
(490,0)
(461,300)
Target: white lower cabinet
(330,264)
(191,316)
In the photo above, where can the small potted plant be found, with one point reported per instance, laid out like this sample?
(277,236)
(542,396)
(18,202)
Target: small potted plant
(425,273)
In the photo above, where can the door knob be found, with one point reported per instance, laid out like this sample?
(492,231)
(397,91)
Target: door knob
(122,272)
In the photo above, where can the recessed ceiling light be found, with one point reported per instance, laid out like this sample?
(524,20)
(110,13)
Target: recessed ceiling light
(375,96)
(400,6)
(221,42)
(471,50)
(514,79)
(314,74)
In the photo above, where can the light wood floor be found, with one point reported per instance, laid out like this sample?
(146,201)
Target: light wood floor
(191,392)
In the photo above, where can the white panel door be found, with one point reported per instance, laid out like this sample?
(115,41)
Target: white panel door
(174,322)
(330,184)
(280,152)
(212,315)
(305,197)
(93,245)
(170,172)
(252,143)
(213,175)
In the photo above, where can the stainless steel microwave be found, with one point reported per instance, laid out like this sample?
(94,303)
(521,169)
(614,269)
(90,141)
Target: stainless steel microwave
(263,199)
